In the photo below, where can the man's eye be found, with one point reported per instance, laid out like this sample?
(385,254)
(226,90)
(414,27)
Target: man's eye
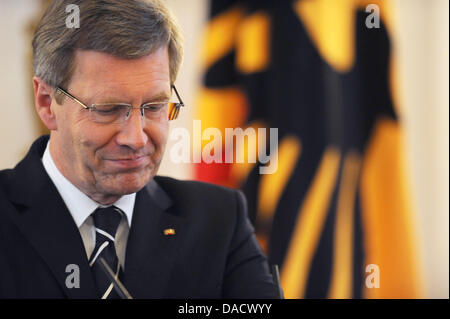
(108,109)
(155,107)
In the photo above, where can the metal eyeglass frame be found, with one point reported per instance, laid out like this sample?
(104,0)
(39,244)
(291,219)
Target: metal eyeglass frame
(172,115)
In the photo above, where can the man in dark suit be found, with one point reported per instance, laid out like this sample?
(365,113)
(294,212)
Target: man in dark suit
(88,193)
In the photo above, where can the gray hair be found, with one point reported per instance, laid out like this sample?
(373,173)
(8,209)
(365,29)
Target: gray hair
(126,29)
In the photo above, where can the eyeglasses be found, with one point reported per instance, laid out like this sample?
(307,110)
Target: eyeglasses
(108,113)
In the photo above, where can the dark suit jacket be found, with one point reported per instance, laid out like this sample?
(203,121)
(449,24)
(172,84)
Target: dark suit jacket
(213,254)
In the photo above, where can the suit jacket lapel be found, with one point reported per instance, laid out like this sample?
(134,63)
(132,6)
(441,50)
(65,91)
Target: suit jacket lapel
(151,253)
(46,222)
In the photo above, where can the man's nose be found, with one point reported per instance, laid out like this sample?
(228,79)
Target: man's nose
(132,132)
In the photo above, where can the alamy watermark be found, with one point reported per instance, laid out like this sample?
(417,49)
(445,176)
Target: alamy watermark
(73,277)
(373,277)
(373,19)
(262,146)
(73,18)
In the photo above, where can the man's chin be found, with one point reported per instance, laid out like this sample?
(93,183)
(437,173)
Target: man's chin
(128,183)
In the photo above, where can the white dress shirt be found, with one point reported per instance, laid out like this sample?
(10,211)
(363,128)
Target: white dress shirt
(81,207)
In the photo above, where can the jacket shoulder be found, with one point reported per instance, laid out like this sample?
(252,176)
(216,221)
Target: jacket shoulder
(6,177)
(192,187)
(203,197)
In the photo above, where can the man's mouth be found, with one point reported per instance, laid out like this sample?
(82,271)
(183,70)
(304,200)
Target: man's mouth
(131,162)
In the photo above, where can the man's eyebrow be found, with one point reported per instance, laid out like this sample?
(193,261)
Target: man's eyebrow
(160,97)
(163,96)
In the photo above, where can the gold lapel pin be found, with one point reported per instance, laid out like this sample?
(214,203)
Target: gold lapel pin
(169,231)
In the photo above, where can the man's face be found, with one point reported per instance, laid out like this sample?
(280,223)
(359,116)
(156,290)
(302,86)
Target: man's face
(107,161)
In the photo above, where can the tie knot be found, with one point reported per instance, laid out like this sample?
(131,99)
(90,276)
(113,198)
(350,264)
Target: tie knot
(107,220)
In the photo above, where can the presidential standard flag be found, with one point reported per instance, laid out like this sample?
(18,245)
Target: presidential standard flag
(336,215)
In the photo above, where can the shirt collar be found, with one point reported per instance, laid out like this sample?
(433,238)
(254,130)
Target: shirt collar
(79,204)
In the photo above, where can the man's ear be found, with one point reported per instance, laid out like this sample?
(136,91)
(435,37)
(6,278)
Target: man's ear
(43,102)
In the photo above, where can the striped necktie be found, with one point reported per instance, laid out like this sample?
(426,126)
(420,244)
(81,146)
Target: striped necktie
(106,221)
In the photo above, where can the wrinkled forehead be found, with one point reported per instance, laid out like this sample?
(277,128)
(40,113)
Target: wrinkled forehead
(107,75)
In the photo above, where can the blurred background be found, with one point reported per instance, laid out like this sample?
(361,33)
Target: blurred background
(359,94)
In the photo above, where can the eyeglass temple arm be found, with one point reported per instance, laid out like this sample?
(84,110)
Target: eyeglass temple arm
(178,95)
(72,97)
